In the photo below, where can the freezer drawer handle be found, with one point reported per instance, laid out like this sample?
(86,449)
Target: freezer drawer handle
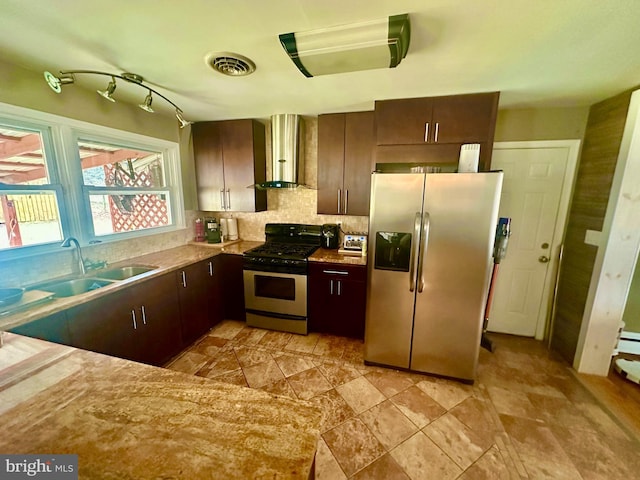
(335,272)
(423,254)
(414,254)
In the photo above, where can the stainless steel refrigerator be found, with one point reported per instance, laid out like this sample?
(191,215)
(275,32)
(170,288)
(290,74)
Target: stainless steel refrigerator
(430,245)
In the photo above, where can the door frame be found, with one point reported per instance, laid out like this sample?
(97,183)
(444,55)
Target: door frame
(561,220)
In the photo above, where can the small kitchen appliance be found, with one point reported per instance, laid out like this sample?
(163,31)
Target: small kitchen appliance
(330,235)
(212,230)
(355,243)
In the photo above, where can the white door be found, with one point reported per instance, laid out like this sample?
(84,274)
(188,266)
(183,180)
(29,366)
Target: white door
(537,182)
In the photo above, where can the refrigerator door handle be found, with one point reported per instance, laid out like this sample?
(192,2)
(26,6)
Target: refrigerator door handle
(425,242)
(414,253)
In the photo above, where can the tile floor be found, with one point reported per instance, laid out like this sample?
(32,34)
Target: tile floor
(525,417)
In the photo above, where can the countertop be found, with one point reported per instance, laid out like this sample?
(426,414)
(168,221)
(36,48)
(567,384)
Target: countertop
(127,420)
(164,262)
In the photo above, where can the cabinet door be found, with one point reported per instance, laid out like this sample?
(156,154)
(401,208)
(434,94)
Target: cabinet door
(464,118)
(243,149)
(158,336)
(337,299)
(194,316)
(403,122)
(105,325)
(358,149)
(212,295)
(331,154)
(207,151)
(232,287)
(53,328)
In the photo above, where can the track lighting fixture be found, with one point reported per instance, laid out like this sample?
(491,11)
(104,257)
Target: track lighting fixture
(67,77)
(146,106)
(109,90)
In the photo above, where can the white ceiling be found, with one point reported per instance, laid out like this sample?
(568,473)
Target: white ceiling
(541,53)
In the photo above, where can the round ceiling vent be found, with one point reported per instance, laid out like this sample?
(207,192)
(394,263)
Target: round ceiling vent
(231,64)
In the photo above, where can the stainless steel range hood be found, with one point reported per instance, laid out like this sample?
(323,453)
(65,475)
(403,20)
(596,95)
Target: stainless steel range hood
(287,152)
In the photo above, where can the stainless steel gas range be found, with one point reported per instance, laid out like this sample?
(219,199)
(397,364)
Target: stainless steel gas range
(275,277)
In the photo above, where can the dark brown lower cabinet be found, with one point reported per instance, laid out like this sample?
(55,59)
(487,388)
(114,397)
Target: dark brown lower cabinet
(53,328)
(232,286)
(337,299)
(141,322)
(198,289)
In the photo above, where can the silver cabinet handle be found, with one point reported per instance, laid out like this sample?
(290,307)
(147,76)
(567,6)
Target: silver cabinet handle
(426,132)
(331,287)
(414,253)
(222,199)
(184,279)
(335,272)
(339,200)
(423,254)
(346,201)
(228,199)
(211,269)
(133,317)
(435,137)
(144,315)
(339,287)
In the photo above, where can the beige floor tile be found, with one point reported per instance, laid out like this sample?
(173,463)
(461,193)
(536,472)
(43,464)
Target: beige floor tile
(559,411)
(223,363)
(534,438)
(513,403)
(388,424)
(360,394)
(227,329)
(263,374)
(390,382)
(250,336)
(338,373)
(384,468)
(335,409)
(544,469)
(292,364)
(422,459)
(490,466)
(302,343)
(248,356)
(601,420)
(457,440)
(280,387)
(330,346)
(327,467)
(235,377)
(419,407)
(446,392)
(309,383)
(188,362)
(209,346)
(353,445)
(275,340)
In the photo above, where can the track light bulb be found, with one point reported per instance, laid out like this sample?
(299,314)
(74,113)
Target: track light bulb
(109,91)
(56,82)
(146,106)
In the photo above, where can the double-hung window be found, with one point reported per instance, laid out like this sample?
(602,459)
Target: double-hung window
(60,177)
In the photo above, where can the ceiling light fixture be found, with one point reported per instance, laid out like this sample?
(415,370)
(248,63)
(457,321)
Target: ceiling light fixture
(109,90)
(146,106)
(68,77)
(349,48)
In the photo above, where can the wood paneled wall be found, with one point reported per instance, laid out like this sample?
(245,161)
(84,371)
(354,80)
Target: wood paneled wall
(589,204)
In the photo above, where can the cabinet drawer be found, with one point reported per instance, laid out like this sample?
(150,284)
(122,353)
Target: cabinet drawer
(355,273)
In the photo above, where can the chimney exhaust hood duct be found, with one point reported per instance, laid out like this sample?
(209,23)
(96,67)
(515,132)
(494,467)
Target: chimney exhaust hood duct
(287,155)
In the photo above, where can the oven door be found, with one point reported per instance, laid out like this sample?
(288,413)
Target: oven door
(278,293)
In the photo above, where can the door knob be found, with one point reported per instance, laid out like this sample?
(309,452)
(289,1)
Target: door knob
(543,259)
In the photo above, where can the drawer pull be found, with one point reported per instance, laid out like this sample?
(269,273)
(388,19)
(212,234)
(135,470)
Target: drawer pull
(335,272)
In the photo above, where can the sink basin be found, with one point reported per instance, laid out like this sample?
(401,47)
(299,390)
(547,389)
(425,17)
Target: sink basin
(69,288)
(122,273)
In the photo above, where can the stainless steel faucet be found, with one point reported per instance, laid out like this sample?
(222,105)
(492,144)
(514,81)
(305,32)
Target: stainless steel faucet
(67,243)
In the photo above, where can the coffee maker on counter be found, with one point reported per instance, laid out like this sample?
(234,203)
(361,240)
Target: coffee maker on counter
(330,236)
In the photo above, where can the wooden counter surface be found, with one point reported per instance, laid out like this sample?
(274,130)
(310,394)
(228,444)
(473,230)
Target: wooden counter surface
(127,420)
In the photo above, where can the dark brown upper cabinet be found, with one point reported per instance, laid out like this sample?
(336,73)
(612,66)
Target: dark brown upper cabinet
(345,147)
(405,127)
(230,159)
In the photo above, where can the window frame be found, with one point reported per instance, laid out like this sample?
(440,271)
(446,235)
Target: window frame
(63,166)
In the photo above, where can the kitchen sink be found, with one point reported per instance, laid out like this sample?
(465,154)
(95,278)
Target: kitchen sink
(122,273)
(69,288)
